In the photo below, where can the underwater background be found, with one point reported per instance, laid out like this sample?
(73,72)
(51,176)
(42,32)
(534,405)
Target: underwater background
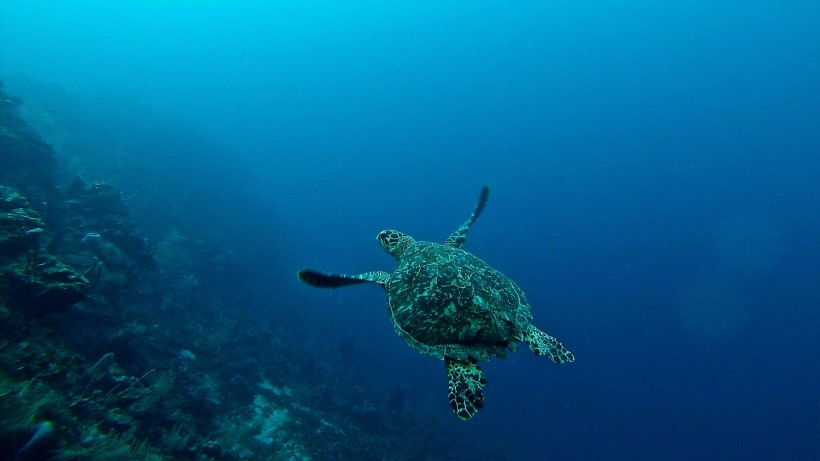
(167,167)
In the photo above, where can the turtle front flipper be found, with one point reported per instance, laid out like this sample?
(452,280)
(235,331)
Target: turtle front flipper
(544,344)
(325,280)
(466,383)
(457,238)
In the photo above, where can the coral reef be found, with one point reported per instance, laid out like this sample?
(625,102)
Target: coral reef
(26,162)
(111,347)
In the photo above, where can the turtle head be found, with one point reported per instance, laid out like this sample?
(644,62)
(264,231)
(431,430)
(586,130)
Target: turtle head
(394,242)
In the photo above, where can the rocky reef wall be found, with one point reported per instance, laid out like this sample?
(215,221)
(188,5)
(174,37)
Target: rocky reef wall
(111,348)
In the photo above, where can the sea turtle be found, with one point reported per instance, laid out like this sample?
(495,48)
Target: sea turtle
(449,304)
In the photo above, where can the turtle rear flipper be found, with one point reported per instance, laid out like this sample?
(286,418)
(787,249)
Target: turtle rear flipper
(325,280)
(544,344)
(457,238)
(466,383)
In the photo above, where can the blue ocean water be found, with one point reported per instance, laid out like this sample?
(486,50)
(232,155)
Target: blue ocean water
(654,172)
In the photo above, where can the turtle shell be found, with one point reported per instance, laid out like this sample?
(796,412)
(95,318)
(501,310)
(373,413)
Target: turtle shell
(446,302)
